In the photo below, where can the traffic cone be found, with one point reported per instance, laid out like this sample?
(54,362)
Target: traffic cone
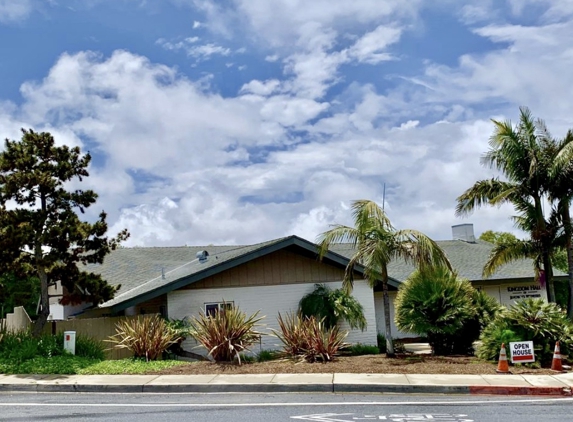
(502,366)
(556,363)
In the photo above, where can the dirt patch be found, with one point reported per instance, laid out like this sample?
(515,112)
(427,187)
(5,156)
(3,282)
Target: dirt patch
(369,364)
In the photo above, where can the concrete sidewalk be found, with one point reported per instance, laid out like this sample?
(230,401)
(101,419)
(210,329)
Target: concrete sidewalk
(559,384)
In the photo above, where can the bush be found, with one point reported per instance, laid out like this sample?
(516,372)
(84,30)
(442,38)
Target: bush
(529,320)
(308,338)
(146,336)
(359,349)
(448,310)
(22,346)
(381,341)
(227,333)
(332,306)
(18,346)
(267,355)
(88,347)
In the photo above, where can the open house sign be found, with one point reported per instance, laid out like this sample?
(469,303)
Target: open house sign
(522,352)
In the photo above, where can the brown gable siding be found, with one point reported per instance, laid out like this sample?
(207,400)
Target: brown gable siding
(152,306)
(281,267)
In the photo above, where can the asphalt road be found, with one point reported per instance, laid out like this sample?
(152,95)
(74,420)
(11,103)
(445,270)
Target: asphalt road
(279,407)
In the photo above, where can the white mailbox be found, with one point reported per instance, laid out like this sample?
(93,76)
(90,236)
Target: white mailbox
(70,342)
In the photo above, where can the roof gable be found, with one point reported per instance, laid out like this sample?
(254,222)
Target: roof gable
(146,273)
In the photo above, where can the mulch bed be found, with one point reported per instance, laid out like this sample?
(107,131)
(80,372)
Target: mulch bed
(370,364)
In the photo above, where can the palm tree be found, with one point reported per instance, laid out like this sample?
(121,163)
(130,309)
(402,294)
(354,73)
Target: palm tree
(561,190)
(550,242)
(376,243)
(523,154)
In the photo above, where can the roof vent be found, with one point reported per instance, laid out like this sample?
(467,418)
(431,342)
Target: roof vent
(464,232)
(202,256)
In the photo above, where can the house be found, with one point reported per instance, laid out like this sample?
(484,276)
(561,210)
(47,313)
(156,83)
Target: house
(273,276)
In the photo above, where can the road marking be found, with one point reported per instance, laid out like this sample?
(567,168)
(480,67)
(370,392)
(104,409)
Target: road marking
(297,404)
(396,417)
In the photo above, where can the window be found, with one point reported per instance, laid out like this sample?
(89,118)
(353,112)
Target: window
(212,308)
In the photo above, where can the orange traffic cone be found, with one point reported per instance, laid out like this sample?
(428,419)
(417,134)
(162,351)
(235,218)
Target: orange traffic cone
(556,364)
(502,366)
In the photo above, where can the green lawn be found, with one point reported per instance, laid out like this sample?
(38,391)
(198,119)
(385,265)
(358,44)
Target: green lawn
(70,365)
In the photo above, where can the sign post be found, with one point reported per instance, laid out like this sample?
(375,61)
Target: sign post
(521,352)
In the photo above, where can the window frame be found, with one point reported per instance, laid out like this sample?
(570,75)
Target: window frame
(219,306)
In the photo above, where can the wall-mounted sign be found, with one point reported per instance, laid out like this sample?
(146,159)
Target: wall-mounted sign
(510,293)
(521,352)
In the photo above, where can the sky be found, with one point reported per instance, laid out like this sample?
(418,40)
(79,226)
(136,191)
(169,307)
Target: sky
(241,121)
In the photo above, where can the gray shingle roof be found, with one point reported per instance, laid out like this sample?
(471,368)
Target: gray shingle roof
(140,271)
(468,259)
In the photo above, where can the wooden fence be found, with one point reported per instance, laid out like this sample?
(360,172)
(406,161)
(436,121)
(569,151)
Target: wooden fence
(97,328)
(16,321)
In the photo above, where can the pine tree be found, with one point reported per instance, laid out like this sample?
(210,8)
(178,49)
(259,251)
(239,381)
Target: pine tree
(41,233)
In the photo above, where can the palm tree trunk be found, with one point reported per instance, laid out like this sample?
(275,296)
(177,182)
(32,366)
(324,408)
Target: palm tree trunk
(540,235)
(388,328)
(568,233)
(548,270)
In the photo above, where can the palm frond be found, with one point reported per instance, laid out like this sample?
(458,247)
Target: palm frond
(337,234)
(416,248)
(507,252)
(564,158)
(483,192)
(368,214)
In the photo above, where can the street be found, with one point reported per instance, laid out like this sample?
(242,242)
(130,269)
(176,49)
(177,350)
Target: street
(279,407)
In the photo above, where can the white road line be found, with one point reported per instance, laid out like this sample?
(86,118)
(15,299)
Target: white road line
(315,404)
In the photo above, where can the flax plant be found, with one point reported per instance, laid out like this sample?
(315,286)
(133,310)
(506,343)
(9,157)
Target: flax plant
(227,333)
(146,336)
(308,338)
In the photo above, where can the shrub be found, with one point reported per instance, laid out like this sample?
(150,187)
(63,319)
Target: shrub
(247,358)
(227,333)
(88,347)
(22,346)
(381,341)
(2,329)
(146,336)
(267,355)
(308,338)
(332,306)
(18,346)
(359,349)
(529,320)
(437,304)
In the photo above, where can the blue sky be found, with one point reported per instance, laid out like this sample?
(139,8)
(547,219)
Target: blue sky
(236,121)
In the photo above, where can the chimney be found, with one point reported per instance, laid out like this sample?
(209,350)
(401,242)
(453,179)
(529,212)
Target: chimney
(464,232)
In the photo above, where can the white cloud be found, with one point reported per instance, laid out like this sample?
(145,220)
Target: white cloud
(203,52)
(199,52)
(370,47)
(531,68)
(182,164)
(261,15)
(263,88)
(14,10)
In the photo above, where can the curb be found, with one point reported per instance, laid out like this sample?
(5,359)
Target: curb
(521,391)
(289,388)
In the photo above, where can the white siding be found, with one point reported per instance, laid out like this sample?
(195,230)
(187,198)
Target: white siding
(509,293)
(270,300)
(380,320)
(501,292)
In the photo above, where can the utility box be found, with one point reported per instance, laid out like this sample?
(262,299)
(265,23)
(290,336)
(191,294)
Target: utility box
(70,342)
